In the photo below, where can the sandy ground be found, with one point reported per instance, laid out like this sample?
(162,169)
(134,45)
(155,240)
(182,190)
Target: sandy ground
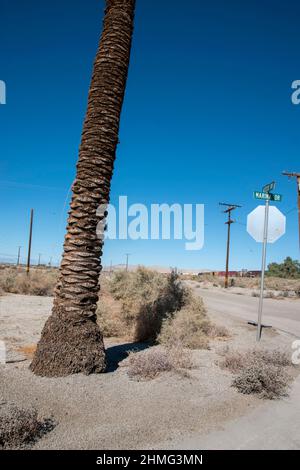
(111,411)
(276,425)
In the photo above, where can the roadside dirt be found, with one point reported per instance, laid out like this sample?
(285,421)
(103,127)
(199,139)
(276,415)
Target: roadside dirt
(111,411)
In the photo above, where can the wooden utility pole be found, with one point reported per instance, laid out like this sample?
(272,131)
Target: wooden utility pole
(39,261)
(297,176)
(29,243)
(127,256)
(231,207)
(19,253)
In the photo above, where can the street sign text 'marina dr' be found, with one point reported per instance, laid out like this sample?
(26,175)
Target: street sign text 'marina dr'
(267,196)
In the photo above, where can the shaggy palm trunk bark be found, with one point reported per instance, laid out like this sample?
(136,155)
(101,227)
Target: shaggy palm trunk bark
(71,341)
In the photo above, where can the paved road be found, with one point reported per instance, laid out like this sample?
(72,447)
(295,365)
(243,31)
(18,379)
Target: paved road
(281,314)
(274,425)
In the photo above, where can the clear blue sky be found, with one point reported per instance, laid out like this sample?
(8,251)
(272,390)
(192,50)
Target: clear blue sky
(207,118)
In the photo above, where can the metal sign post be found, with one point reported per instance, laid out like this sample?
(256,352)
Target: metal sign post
(266,224)
(263,269)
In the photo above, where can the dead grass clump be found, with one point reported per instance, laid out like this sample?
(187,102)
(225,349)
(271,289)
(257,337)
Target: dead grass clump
(266,380)
(260,371)
(38,282)
(20,427)
(150,363)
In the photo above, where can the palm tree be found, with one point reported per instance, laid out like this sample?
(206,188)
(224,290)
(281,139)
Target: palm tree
(71,341)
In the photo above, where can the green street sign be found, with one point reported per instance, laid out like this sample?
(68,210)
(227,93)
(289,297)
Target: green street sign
(261,195)
(269,187)
(276,197)
(267,196)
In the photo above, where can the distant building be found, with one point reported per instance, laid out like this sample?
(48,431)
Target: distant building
(242,273)
(253,274)
(230,273)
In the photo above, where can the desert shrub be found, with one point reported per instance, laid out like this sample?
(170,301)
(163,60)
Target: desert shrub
(215,331)
(111,324)
(38,282)
(271,282)
(109,313)
(233,361)
(146,305)
(171,297)
(20,427)
(266,380)
(274,357)
(188,327)
(146,297)
(259,371)
(7,279)
(150,363)
(236,361)
(281,284)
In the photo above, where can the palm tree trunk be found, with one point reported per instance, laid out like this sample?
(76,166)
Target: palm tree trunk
(71,341)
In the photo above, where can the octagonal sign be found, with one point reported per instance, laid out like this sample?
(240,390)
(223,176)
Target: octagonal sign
(276,228)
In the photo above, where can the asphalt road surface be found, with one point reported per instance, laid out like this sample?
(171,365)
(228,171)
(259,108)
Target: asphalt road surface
(281,314)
